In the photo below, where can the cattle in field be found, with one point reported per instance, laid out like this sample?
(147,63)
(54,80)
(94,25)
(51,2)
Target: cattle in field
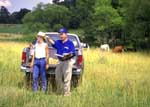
(118,49)
(104,47)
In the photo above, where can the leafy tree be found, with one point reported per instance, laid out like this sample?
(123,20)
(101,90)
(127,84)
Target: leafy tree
(4,15)
(16,17)
(103,21)
(57,27)
(106,23)
(115,3)
(13,18)
(84,11)
(21,14)
(48,16)
(56,1)
(138,23)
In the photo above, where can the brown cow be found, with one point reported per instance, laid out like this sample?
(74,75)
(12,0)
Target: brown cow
(118,49)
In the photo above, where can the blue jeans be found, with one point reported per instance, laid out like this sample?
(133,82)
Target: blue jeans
(39,69)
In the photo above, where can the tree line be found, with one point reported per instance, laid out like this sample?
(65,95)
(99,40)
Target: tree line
(116,22)
(15,18)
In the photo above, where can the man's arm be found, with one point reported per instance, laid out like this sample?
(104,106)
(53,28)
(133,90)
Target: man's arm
(72,49)
(50,40)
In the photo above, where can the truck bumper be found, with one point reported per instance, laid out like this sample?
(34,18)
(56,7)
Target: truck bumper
(51,71)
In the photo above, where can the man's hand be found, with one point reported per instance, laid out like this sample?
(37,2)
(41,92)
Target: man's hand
(49,39)
(67,56)
(46,37)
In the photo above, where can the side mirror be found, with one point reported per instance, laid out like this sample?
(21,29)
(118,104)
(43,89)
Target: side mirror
(85,45)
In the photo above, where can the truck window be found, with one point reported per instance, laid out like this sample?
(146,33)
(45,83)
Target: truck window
(71,37)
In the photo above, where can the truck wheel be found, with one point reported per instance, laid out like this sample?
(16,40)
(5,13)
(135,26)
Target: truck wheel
(28,80)
(76,80)
(51,83)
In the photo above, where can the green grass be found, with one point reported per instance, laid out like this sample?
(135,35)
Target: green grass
(15,32)
(9,37)
(109,80)
(11,28)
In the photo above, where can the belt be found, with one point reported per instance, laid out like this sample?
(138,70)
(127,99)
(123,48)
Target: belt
(40,58)
(65,59)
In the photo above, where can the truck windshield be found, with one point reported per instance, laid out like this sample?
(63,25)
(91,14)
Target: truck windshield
(71,37)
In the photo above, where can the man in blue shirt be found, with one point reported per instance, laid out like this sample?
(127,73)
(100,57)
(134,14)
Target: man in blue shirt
(65,53)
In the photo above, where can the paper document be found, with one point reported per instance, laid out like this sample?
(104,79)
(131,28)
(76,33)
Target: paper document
(64,54)
(59,55)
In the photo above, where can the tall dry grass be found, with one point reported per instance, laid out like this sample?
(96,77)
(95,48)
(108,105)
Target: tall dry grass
(109,80)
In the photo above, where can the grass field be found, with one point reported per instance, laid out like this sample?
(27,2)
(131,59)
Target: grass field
(16,32)
(11,28)
(109,80)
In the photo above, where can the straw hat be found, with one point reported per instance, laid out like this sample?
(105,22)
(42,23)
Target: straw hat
(42,34)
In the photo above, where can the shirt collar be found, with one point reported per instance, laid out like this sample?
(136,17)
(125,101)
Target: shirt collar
(65,41)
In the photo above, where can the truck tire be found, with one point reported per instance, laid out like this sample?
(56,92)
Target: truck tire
(51,83)
(76,80)
(28,80)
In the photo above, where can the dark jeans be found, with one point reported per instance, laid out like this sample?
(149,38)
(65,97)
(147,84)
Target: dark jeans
(39,69)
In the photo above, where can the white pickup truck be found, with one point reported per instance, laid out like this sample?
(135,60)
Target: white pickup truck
(78,67)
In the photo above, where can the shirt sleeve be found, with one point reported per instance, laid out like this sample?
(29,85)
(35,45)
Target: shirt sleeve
(55,45)
(72,48)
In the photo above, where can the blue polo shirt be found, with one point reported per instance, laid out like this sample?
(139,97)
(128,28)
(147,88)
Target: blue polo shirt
(66,47)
